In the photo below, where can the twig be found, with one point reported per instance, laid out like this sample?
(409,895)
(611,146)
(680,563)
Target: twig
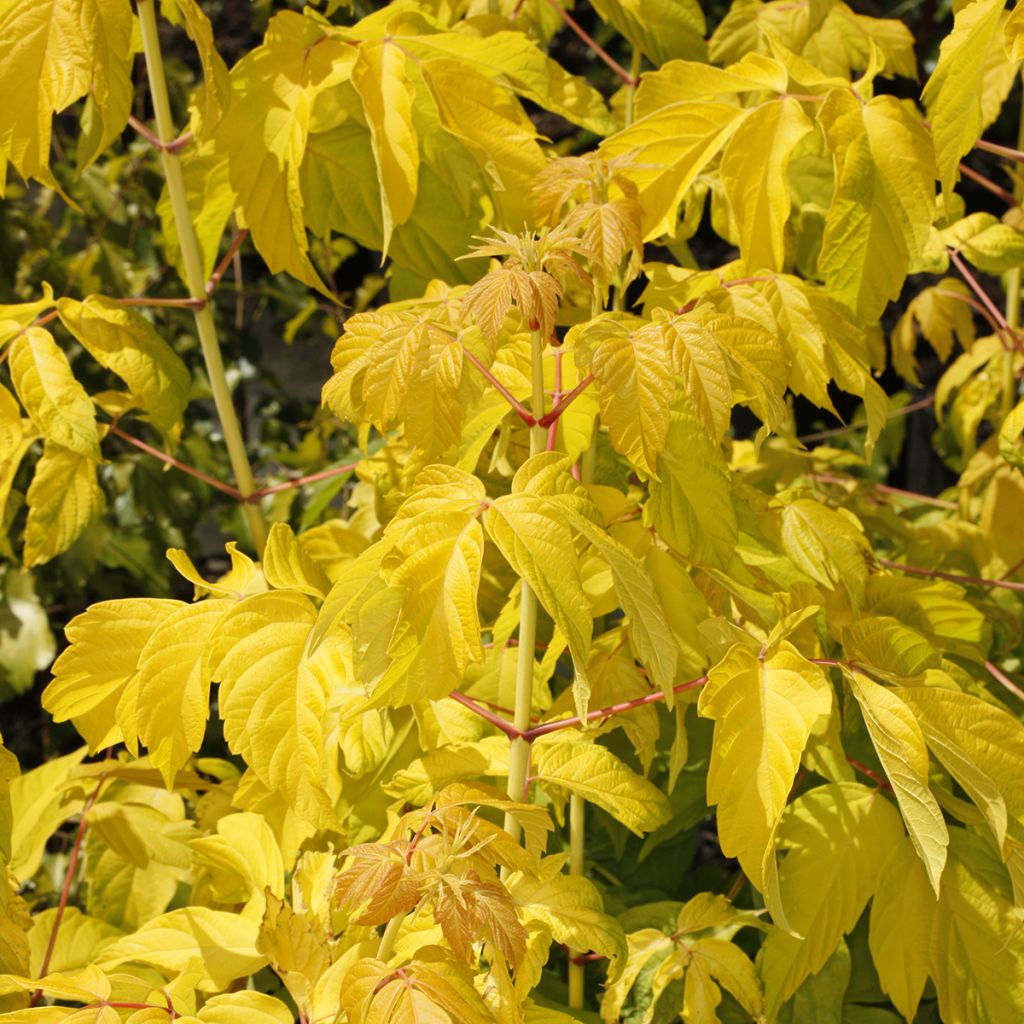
(154,140)
(236,244)
(176,463)
(997,190)
(551,416)
(599,50)
(905,410)
(1006,331)
(879,780)
(496,720)
(994,147)
(521,411)
(899,492)
(1001,677)
(301,481)
(65,892)
(977,581)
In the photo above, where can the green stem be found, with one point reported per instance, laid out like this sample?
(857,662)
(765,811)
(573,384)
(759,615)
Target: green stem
(1008,378)
(519,755)
(387,940)
(577,820)
(634,73)
(192,259)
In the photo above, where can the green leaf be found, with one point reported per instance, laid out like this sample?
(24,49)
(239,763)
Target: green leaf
(838,839)
(121,340)
(764,708)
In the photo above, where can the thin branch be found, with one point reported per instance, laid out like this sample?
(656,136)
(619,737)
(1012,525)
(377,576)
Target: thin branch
(521,411)
(174,146)
(997,315)
(979,308)
(489,716)
(301,481)
(614,709)
(1001,677)
(599,50)
(977,581)
(551,416)
(997,190)
(905,410)
(994,147)
(879,780)
(236,244)
(170,460)
(65,892)
(163,303)
(899,492)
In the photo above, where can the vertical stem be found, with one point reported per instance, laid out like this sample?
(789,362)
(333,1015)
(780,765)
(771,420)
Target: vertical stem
(634,73)
(387,940)
(577,820)
(519,755)
(192,259)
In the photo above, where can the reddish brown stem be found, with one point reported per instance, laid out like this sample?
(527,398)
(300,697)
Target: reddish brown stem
(899,492)
(997,190)
(823,435)
(994,147)
(977,581)
(551,416)
(154,140)
(1001,677)
(170,460)
(971,301)
(879,780)
(521,411)
(614,709)
(65,891)
(218,273)
(496,720)
(163,303)
(1004,328)
(599,50)
(301,481)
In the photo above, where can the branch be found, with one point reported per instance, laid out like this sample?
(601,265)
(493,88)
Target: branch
(601,52)
(1001,677)
(615,709)
(551,416)
(879,780)
(489,716)
(170,460)
(904,410)
(65,892)
(899,492)
(301,481)
(236,244)
(977,581)
(997,190)
(521,411)
(156,142)
(997,315)
(1007,151)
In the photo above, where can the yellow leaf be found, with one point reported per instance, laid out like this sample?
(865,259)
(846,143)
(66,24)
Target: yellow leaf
(596,774)
(173,685)
(224,942)
(242,861)
(121,340)
(58,52)
(764,708)
(141,835)
(671,147)
(273,697)
(753,173)
(297,949)
(39,803)
(56,403)
(953,93)
(379,76)
(699,360)
(245,1007)
(240,580)
(884,202)
(902,918)
(838,838)
(104,646)
(217,86)
(11,430)
(901,748)
(63,498)
(572,908)
(286,565)
(690,502)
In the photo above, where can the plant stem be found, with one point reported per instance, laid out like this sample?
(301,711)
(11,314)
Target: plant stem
(519,755)
(387,940)
(192,259)
(577,831)
(955,577)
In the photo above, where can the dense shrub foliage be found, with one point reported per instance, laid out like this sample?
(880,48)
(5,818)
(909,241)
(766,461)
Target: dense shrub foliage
(574,655)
